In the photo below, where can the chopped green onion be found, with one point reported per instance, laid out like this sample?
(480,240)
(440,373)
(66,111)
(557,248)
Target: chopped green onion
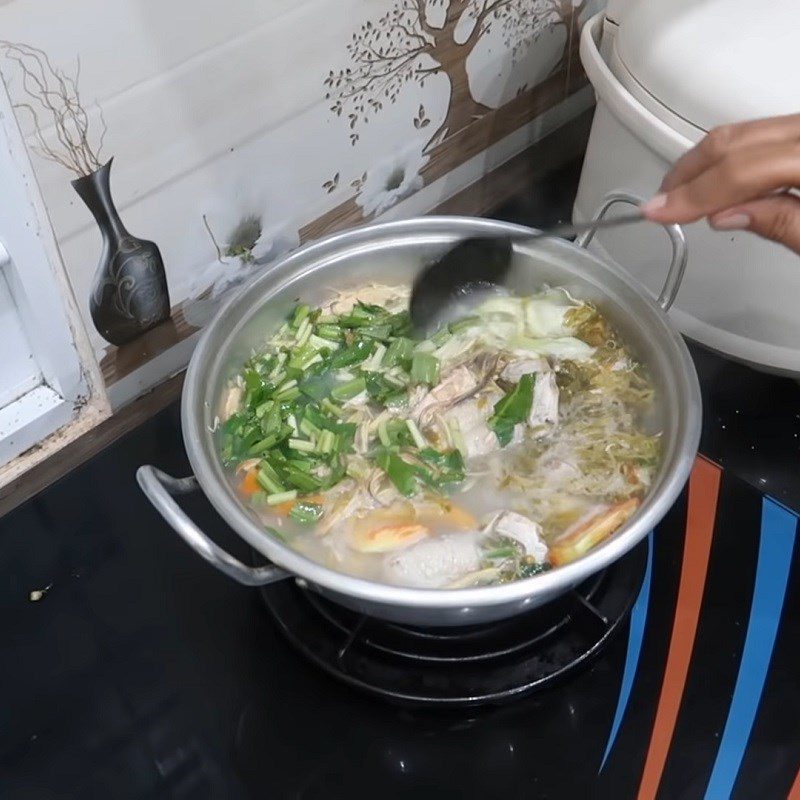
(329,332)
(374,361)
(383,434)
(286,385)
(400,353)
(276,370)
(263,408)
(281,497)
(332,408)
(327,319)
(268,481)
(316,387)
(416,434)
(316,359)
(288,394)
(300,313)
(308,427)
(263,445)
(353,354)
(326,441)
(349,390)
(303,333)
(302,480)
(301,445)
(440,337)
(377,331)
(425,368)
(354,320)
(321,343)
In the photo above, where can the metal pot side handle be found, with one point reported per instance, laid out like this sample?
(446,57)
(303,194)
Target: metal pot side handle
(676,236)
(159,489)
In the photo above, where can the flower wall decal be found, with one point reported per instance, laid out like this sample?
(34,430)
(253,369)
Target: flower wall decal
(391,181)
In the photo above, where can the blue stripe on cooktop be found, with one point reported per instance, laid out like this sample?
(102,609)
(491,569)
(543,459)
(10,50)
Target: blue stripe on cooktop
(635,637)
(778,530)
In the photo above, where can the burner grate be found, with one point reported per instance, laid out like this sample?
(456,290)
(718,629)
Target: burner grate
(472,665)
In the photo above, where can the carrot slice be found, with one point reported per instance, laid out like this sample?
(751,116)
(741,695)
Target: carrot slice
(578,542)
(249,486)
(389,537)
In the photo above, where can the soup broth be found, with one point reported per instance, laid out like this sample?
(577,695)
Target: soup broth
(510,442)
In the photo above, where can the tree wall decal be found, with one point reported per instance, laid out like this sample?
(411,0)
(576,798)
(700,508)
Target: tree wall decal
(418,39)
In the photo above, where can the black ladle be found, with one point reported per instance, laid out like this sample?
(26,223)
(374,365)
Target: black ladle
(481,263)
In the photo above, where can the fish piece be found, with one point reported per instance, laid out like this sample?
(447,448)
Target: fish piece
(516,369)
(434,563)
(544,408)
(471,431)
(585,535)
(460,383)
(483,366)
(521,529)
(352,502)
(231,402)
(383,491)
(392,298)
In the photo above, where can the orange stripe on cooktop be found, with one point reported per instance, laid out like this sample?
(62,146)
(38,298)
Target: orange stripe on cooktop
(794,792)
(702,510)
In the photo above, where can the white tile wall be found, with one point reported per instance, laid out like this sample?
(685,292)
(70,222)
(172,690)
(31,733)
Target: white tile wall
(218,108)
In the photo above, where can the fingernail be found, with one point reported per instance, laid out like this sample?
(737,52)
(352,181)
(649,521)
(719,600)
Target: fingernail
(735,221)
(654,203)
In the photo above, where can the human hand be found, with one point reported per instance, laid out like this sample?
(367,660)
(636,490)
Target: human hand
(738,177)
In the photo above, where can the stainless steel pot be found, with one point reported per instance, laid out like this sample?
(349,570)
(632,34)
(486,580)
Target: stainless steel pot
(393,252)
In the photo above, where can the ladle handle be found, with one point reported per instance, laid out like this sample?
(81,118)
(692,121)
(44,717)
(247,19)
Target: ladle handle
(677,237)
(159,489)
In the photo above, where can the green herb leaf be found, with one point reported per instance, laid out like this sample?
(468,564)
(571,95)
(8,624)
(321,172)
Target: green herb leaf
(306,513)
(512,409)
(353,354)
(425,368)
(402,474)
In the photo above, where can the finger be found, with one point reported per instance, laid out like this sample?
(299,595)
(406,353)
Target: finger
(723,140)
(776,218)
(741,176)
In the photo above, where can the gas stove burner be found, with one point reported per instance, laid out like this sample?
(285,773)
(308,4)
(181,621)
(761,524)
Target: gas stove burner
(469,666)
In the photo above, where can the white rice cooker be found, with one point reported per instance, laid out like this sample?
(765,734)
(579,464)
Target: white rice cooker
(665,72)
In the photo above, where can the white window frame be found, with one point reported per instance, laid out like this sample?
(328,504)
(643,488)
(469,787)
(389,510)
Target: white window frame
(31,264)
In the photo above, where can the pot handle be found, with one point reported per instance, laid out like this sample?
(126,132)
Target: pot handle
(159,489)
(676,235)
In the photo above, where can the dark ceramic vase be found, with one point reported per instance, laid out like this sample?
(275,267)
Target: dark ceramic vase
(130,293)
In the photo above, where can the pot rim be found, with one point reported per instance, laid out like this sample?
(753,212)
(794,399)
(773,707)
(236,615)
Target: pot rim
(553,582)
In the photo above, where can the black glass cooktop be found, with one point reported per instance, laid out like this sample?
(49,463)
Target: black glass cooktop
(131,669)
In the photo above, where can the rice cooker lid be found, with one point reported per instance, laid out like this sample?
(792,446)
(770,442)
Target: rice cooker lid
(716,61)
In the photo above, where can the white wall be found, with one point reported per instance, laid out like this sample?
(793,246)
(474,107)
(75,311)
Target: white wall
(219,109)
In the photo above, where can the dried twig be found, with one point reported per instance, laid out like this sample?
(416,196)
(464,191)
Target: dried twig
(214,240)
(54,96)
